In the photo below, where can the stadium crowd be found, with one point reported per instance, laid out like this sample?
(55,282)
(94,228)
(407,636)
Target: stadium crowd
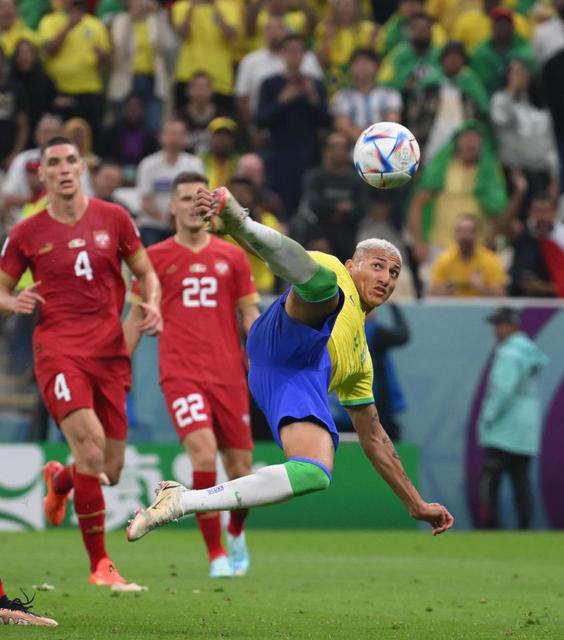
(269,96)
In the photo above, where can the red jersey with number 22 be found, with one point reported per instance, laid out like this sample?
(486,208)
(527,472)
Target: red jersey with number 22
(79,268)
(200,294)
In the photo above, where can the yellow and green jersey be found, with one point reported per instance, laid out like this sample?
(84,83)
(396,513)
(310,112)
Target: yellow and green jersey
(352,372)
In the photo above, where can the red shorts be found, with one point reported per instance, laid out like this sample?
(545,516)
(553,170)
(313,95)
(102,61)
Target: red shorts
(101,384)
(225,409)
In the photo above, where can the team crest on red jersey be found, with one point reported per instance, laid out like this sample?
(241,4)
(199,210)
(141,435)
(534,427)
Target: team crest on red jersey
(221,267)
(101,239)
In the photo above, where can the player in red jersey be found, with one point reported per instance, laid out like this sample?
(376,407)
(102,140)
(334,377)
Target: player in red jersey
(75,248)
(206,283)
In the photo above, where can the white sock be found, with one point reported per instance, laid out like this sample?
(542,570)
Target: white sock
(268,485)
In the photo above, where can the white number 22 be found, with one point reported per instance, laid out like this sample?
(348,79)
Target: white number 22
(199,292)
(82,267)
(189,409)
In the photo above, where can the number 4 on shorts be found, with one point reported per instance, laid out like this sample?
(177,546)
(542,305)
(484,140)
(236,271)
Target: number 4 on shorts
(62,391)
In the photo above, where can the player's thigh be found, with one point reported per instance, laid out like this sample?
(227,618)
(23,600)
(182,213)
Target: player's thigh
(232,415)
(110,381)
(308,440)
(201,447)
(188,405)
(237,462)
(85,436)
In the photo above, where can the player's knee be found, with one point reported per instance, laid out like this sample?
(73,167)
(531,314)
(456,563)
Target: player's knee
(307,476)
(113,474)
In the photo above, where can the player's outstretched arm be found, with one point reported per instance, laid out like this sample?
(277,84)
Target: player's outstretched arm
(381,452)
(285,257)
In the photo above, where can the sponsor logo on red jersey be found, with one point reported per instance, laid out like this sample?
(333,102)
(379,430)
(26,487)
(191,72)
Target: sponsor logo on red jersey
(221,267)
(76,243)
(197,267)
(101,239)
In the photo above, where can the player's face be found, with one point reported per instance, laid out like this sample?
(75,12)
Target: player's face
(61,169)
(375,275)
(182,207)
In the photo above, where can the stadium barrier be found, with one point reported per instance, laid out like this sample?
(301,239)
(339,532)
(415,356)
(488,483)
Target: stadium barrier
(358,498)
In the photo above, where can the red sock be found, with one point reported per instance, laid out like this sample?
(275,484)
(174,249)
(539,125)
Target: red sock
(63,480)
(237,521)
(209,523)
(90,509)
(2,592)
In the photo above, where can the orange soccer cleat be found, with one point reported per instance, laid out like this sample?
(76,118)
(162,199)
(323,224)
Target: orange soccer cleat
(106,575)
(54,504)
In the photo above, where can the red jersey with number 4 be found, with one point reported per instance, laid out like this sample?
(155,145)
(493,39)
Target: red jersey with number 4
(79,270)
(200,295)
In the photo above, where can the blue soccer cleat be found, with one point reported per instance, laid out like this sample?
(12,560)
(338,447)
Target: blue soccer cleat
(220,568)
(238,554)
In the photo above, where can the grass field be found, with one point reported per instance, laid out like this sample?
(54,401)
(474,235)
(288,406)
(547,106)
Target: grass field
(318,585)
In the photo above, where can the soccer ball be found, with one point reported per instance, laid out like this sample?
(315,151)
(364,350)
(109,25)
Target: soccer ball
(386,155)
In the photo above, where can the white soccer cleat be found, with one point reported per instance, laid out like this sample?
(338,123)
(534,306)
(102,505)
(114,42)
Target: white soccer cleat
(165,508)
(239,559)
(228,216)
(220,568)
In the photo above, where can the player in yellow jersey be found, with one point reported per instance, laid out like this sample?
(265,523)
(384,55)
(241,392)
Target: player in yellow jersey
(311,340)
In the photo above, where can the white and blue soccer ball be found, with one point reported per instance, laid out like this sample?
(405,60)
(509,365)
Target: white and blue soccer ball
(386,155)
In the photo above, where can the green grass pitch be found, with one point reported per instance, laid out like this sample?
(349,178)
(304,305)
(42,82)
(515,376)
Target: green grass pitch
(316,584)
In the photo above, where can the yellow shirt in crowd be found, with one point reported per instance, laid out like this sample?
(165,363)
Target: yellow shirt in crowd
(473,27)
(74,68)
(207,49)
(9,39)
(352,372)
(143,60)
(456,197)
(450,269)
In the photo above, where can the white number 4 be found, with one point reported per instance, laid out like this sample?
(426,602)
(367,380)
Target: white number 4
(62,391)
(82,267)
(189,409)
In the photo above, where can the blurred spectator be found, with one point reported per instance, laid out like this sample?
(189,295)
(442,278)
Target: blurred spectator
(14,121)
(293,108)
(251,166)
(464,177)
(467,268)
(13,29)
(525,138)
(377,223)
(139,39)
(262,63)
(199,110)
(411,61)
(76,47)
(155,176)
(40,92)
(364,102)
(107,179)
(537,269)
(297,16)
(208,31)
(443,100)
(474,26)
(128,141)
(338,36)
(245,193)
(548,42)
(222,157)
(107,9)
(337,197)
(510,422)
(489,59)
(446,12)
(395,30)
(32,11)
(16,189)
(78,131)
(388,395)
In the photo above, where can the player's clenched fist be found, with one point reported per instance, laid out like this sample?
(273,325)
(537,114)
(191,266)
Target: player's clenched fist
(26,301)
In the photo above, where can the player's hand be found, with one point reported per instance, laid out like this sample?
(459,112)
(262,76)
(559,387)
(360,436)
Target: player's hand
(208,204)
(152,323)
(27,300)
(436,515)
